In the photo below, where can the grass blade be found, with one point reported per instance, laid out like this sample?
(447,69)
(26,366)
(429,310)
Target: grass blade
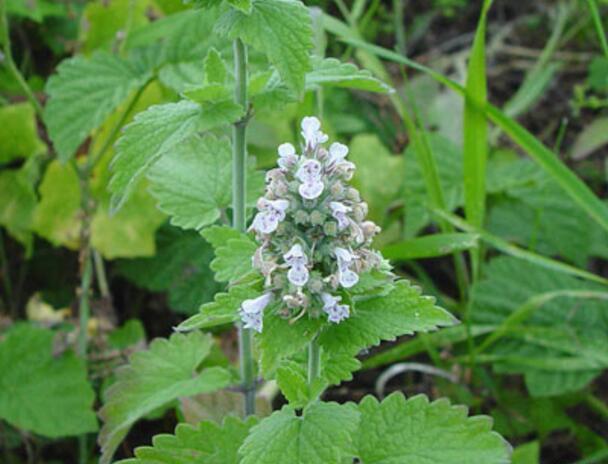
(518,252)
(549,161)
(475,145)
(599,27)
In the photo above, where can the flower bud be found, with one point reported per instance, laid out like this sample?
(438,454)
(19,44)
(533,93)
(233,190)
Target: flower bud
(353,195)
(330,228)
(317,218)
(301,217)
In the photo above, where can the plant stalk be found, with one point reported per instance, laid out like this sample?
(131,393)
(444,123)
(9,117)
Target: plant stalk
(314,360)
(239,188)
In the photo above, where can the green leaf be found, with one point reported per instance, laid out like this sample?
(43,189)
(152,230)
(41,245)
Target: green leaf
(528,453)
(232,255)
(583,196)
(590,139)
(17,206)
(215,68)
(475,131)
(40,392)
(323,434)
(82,94)
(377,176)
(207,443)
(208,93)
(130,333)
(430,246)
(153,378)
(243,5)
(180,266)
(330,72)
(56,217)
(192,182)
(414,431)
(402,311)
(293,383)
(223,310)
(565,327)
(281,29)
(19,133)
(155,132)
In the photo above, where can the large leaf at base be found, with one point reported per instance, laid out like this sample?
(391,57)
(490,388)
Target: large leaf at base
(167,371)
(207,443)
(180,266)
(323,434)
(193,182)
(42,393)
(82,94)
(279,28)
(561,345)
(155,132)
(402,311)
(414,431)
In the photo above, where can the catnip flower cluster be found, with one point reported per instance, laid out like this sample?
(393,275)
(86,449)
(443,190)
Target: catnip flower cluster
(314,239)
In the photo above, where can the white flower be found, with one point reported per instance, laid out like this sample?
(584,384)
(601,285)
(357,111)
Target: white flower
(309,171)
(252,311)
(287,156)
(311,131)
(271,213)
(338,211)
(298,275)
(295,256)
(337,153)
(346,276)
(296,259)
(312,190)
(336,313)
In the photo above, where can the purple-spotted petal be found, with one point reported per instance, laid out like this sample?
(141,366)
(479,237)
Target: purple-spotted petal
(298,275)
(310,191)
(347,278)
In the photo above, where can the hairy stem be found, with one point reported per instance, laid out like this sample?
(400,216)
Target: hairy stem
(100,273)
(314,360)
(239,188)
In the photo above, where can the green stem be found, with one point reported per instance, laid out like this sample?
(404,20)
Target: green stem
(398,7)
(599,27)
(239,188)
(314,360)
(597,405)
(9,62)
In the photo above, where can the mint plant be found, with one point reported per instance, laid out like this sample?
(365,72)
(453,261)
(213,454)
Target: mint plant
(307,292)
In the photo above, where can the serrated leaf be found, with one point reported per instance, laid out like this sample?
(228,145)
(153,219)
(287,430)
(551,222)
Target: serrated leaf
(322,435)
(223,310)
(19,133)
(331,72)
(414,431)
(153,378)
(293,382)
(402,311)
(233,253)
(279,28)
(42,393)
(82,94)
(192,182)
(207,443)
(208,93)
(215,69)
(155,132)
(180,266)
